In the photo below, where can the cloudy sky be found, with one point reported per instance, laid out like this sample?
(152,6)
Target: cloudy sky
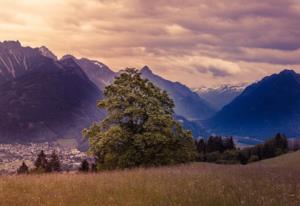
(196,42)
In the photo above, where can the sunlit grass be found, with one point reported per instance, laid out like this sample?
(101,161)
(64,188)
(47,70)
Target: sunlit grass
(271,182)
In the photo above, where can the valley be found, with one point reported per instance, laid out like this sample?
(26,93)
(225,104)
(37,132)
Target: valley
(12,155)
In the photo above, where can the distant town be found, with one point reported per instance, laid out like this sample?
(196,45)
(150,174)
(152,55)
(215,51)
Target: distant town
(12,155)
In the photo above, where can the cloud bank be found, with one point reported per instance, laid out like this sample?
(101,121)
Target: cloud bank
(197,42)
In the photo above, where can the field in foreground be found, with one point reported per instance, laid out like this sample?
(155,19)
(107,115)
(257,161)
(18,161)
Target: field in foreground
(270,182)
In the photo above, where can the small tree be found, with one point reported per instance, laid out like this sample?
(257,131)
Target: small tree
(84,167)
(214,144)
(139,129)
(229,144)
(244,156)
(201,146)
(281,142)
(41,163)
(54,163)
(23,169)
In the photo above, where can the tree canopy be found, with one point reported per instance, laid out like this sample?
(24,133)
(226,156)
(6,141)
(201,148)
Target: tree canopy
(139,129)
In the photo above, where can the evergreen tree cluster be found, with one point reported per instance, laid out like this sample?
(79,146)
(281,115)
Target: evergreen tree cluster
(42,164)
(215,144)
(216,149)
(271,148)
(223,150)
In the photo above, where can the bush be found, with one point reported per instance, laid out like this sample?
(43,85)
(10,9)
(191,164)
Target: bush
(253,158)
(23,169)
(230,157)
(213,156)
(84,167)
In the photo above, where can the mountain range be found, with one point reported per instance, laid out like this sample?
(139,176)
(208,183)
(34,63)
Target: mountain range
(263,109)
(43,98)
(221,95)
(188,103)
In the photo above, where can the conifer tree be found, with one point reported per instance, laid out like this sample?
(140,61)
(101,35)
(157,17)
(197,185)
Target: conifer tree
(41,163)
(84,167)
(201,146)
(229,144)
(23,169)
(54,163)
(139,129)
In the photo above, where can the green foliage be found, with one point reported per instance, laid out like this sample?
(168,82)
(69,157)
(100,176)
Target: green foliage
(213,156)
(139,129)
(215,143)
(229,157)
(228,144)
(41,163)
(271,148)
(253,158)
(244,156)
(222,150)
(201,146)
(217,149)
(23,169)
(54,163)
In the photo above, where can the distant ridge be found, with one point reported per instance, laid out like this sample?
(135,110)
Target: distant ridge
(188,103)
(219,96)
(98,72)
(269,106)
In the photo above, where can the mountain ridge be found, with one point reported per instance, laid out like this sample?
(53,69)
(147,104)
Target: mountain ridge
(44,99)
(264,108)
(219,96)
(188,103)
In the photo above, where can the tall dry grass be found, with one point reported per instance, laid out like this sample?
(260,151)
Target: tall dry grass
(271,182)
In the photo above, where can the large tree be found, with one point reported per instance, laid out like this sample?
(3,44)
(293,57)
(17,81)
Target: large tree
(139,129)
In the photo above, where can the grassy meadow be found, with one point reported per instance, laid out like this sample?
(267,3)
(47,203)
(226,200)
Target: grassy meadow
(269,182)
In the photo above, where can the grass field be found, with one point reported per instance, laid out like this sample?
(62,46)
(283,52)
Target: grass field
(270,182)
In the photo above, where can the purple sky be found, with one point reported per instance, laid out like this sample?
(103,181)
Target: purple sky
(196,42)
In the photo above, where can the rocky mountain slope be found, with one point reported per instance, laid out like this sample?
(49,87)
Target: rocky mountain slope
(42,99)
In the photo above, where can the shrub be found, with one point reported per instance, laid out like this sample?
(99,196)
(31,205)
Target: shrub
(253,158)
(23,169)
(84,167)
(213,156)
(230,157)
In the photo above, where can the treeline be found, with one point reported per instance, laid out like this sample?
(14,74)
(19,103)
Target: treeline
(215,149)
(223,150)
(45,164)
